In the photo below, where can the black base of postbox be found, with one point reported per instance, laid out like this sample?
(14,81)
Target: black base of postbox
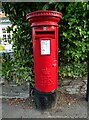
(44,100)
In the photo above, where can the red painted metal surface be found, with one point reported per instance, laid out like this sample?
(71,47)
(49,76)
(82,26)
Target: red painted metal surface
(45,48)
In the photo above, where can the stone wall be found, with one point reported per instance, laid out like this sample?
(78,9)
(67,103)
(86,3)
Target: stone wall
(74,86)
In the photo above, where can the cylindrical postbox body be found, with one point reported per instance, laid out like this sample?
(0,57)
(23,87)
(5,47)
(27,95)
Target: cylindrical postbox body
(45,48)
(44,25)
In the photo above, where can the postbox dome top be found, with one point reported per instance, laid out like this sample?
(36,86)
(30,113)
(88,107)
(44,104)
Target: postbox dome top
(45,13)
(44,17)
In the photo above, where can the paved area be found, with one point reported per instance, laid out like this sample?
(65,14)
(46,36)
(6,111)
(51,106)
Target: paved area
(78,110)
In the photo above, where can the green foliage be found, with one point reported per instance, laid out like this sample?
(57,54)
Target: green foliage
(7,66)
(2,47)
(74,70)
(74,44)
(73,38)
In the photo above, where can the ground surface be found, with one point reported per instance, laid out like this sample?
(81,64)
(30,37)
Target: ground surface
(68,106)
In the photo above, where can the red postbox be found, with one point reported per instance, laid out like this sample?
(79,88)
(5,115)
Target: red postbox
(44,25)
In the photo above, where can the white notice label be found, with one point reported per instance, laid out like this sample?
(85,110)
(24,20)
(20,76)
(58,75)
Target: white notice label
(45,47)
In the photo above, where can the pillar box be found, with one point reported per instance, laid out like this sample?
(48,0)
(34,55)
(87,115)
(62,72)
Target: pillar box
(44,25)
